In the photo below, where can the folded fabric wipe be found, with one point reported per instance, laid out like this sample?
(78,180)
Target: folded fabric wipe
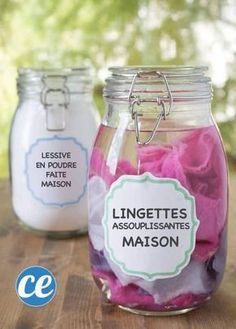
(195,161)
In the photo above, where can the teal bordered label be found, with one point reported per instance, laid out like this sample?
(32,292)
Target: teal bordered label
(150,226)
(56,171)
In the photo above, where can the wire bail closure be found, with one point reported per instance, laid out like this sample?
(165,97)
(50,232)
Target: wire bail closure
(55,98)
(137,100)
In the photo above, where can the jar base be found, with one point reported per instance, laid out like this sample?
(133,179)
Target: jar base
(53,234)
(164,310)
(157,313)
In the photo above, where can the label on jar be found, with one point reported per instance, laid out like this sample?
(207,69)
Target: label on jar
(150,226)
(56,170)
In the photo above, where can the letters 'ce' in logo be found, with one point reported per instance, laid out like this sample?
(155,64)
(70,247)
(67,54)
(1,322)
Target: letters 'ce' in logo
(36,286)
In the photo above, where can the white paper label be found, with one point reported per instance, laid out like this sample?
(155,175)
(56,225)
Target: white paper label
(150,226)
(56,170)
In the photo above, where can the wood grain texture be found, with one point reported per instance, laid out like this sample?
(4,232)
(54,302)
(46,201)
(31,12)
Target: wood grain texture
(77,304)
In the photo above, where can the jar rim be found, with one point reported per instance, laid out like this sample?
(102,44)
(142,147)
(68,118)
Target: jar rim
(185,82)
(163,68)
(31,81)
(67,71)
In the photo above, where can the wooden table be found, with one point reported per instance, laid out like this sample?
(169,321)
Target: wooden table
(77,303)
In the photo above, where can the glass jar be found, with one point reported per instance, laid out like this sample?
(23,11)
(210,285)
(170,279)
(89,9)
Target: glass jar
(50,142)
(158,192)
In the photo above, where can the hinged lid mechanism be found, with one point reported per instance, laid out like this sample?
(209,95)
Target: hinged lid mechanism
(161,85)
(54,87)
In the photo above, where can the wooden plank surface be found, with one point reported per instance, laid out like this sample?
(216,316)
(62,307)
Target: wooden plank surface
(77,303)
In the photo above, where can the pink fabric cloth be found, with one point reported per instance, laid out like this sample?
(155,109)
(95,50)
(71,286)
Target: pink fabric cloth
(124,295)
(197,161)
(98,167)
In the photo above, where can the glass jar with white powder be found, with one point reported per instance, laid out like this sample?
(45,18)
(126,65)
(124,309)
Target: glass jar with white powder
(50,141)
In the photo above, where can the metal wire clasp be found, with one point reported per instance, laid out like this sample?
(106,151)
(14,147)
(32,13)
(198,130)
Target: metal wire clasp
(160,100)
(55,98)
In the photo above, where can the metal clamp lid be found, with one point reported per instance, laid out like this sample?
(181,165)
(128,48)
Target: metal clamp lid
(55,98)
(160,100)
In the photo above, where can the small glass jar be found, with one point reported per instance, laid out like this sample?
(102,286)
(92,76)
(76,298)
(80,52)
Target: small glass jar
(158,192)
(51,137)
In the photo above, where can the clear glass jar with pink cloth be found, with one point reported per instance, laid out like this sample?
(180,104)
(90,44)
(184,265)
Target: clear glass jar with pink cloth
(158,192)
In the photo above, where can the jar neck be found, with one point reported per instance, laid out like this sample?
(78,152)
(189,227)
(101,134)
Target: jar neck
(182,117)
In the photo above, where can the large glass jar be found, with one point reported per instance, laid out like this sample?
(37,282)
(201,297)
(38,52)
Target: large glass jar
(51,138)
(158,191)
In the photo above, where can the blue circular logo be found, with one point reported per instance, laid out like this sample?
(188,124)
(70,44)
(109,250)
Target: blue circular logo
(36,286)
